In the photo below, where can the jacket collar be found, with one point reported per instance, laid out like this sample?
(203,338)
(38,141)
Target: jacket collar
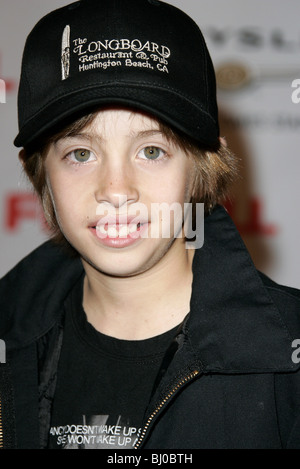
(234,326)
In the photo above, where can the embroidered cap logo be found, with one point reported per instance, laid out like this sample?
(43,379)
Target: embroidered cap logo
(65,53)
(95,54)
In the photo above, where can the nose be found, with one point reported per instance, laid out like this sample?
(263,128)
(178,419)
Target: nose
(117,184)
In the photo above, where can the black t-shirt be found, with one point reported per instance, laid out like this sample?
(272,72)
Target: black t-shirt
(103,384)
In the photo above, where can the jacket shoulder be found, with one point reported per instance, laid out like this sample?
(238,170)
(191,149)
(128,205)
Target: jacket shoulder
(43,262)
(269,283)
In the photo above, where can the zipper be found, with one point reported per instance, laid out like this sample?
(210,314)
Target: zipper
(181,383)
(1,427)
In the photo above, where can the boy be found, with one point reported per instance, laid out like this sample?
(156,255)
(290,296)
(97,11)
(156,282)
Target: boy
(119,333)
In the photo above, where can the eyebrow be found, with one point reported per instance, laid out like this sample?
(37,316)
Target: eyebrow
(87,136)
(83,135)
(145,133)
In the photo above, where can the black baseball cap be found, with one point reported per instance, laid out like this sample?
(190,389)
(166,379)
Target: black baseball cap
(143,54)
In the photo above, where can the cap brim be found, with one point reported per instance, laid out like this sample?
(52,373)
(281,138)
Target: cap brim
(184,115)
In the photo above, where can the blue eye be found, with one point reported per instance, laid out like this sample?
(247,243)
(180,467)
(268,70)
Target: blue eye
(151,153)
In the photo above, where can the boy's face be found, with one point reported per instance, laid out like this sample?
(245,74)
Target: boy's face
(107,184)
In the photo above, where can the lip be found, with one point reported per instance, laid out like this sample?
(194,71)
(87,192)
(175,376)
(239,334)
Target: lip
(118,219)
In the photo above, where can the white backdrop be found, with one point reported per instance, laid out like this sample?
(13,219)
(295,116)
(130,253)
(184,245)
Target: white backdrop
(255,46)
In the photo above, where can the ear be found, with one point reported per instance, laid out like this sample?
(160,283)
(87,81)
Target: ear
(223,141)
(22,156)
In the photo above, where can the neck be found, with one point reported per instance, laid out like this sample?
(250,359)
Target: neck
(141,306)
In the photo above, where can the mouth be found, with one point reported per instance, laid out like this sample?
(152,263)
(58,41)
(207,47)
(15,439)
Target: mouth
(118,230)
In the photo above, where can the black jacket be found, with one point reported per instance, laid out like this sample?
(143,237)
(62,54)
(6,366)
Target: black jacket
(228,380)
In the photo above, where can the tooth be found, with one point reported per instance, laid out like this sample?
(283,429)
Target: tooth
(123,231)
(132,228)
(112,232)
(102,229)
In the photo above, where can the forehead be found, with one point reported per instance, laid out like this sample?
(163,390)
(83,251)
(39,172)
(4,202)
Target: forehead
(123,121)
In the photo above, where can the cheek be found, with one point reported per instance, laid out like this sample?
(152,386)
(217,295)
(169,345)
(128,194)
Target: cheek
(65,199)
(183,183)
(167,208)
(175,183)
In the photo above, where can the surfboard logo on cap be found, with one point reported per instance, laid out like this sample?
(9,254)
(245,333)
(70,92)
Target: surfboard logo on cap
(65,53)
